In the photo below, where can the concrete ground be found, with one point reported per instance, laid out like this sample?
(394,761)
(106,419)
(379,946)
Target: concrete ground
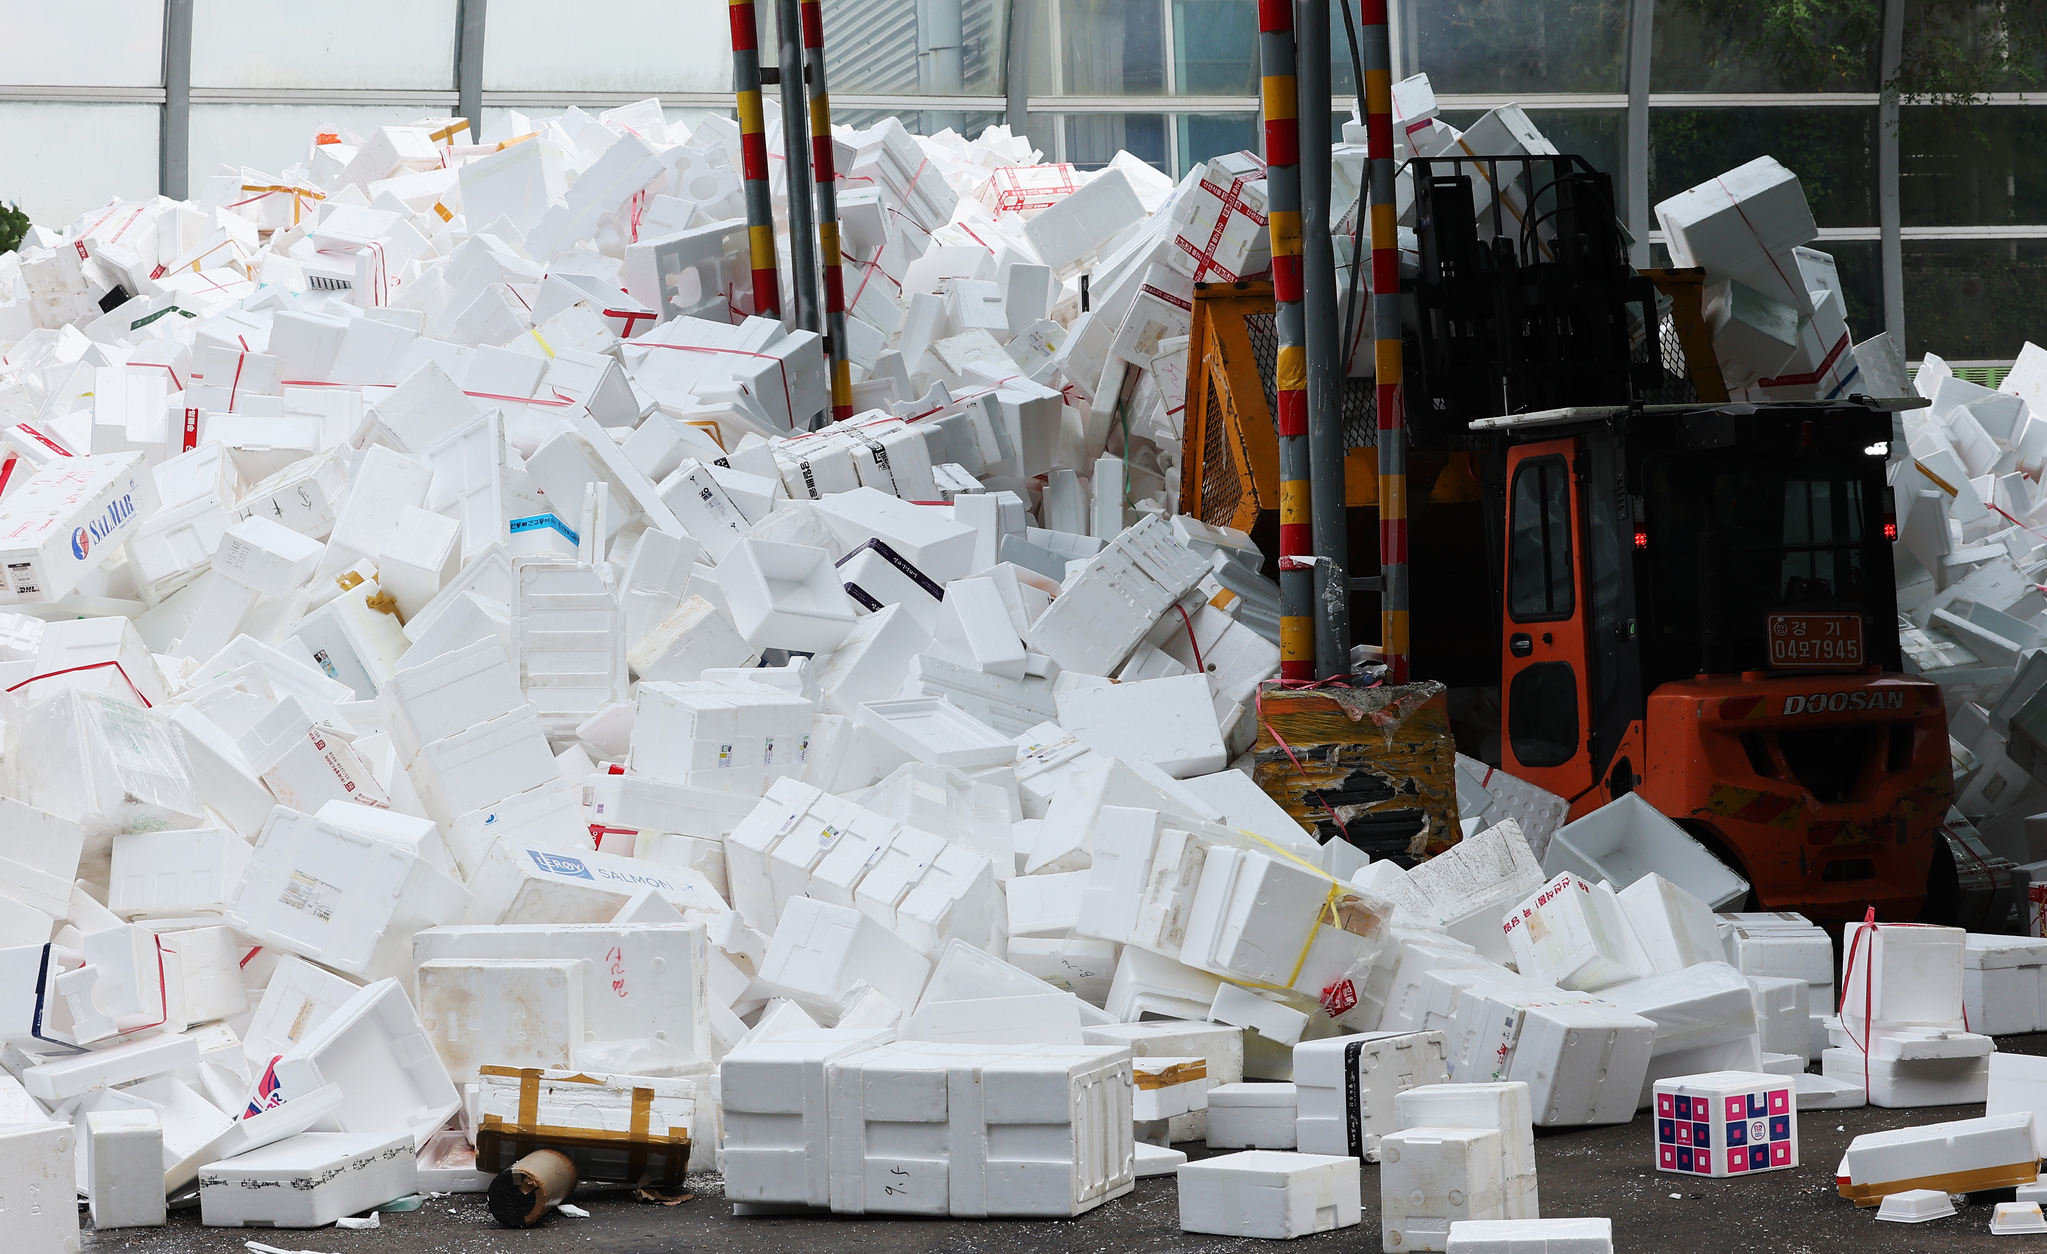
(1592,1171)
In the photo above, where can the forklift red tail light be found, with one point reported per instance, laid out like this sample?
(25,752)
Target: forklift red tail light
(1641,535)
(1890,529)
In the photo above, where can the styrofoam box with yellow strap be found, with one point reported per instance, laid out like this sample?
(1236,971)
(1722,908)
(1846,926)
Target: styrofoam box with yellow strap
(1166,1086)
(614,1126)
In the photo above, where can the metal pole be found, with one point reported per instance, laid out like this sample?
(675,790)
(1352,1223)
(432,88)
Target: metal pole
(1378,109)
(1326,370)
(174,141)
(1888,216)
(1283,192)
(826,165)
(1641,25)
(941,58)
(1016,83)
(796,168)
(469,64)
(753,160)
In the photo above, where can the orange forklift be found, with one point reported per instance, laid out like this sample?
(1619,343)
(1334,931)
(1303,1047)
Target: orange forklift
(1628,583)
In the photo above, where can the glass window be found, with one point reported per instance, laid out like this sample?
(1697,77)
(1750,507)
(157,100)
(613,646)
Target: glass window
(640,46)
(1542,714)
(1215,47)
(1092,139)
(1539,552)
(932,121)
(1831,149)
(1859,264)
(63,159)
(363,44)
(1972,167)
(1992,47)
(47,47)
(1493,46)
(1206,135)
(1098,48)
(1974,300)
(1763,45)
(878,48)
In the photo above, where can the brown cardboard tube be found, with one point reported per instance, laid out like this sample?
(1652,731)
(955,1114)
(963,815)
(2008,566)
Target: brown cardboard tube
(522,1194)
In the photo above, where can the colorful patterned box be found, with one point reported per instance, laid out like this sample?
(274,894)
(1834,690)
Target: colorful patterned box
(1725,1123)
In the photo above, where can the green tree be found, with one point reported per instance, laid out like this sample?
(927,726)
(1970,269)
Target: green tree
(13,225)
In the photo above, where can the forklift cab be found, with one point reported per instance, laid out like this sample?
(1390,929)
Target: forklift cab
(1698,604)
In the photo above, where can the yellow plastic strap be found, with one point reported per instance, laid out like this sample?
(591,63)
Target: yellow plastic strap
(541,340)
(1336,892)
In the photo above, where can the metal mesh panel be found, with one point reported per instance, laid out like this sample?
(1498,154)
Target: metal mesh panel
(1676,388)
(1222,480)
(1360,397)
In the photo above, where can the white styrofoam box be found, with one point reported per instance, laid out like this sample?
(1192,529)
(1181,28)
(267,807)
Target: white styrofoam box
(1697,1006)
(2001,983)
(1077,965)
(1270,1194)
(1465,890)
(1898,1085)
(176,544)
(1531,1236)
(923,535)
(693,637)
(1726,1123)
(1902,975)
(308,1181)
(38,1187)
(517,883)
(1147,983)
(932,729)
(482,764)
(421,836)
(1743,225)
(545,817)
(209,959)
(1491,794)
(422,552)
(1782,1018)
(501,1012)
(776,1107)
(336,896)
(1502,1107)
(175,872)
(124,1153)
(1573,935)
(307,764)
(732,737)
(639,982)
(571,653)
(1626,839)
(1166,1087)
(375,1049)
(2018,1083)
(1169,723)
(1430,1178)
(786,596)
(67,519)
(353,641)
(820,951)
(297,998)
(975,629)
(1048,1018)
(1673,928)
(1345,1086)
(959,897)
(1575,1058)
(1251,1116)
(85,646)
(1964,1150)
(266,556)
(61,1079)
(869,665)
(1057,1122)
(1045,905)
(41,857)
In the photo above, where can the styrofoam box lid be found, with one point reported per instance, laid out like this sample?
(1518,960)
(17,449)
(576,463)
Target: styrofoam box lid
(309,1152)
(1270,1167)
(1254,1094)
(1990,953)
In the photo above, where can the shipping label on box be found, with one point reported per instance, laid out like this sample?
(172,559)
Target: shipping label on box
(64,521)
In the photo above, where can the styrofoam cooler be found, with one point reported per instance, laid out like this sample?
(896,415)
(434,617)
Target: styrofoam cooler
(376,1050)
(1627,838)
(308,1181)
(1726,1123)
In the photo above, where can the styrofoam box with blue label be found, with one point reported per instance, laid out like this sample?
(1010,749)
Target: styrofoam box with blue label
(1726,1123)
(67,520)
(519,884)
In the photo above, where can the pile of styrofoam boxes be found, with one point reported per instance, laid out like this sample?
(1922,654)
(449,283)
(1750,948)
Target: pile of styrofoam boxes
(1902,1033)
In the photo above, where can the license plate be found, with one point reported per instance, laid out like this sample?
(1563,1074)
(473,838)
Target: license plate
(1815,641)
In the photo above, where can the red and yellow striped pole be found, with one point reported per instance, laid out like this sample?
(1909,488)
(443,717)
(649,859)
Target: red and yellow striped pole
(1283,197)
(825,170)
(1377,47)
(753,160)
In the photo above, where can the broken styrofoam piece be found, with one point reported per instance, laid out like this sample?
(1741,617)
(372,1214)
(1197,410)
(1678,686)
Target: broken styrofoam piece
(2016,1218)
(1915,1206)
(1531,1236)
